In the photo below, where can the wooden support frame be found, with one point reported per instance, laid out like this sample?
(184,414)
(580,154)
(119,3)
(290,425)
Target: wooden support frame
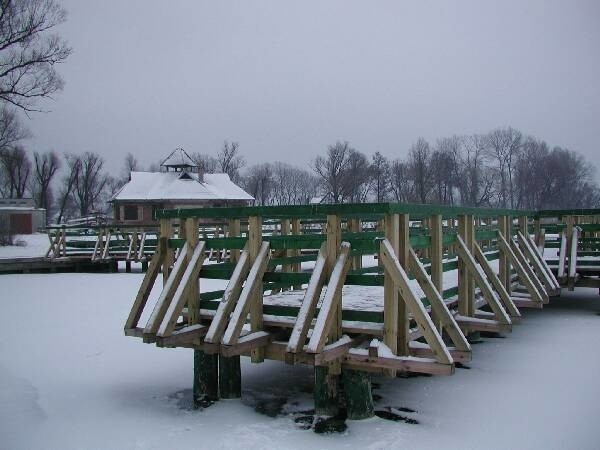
(538,266)
(166,295)
(391,302)
(424,322)
(144,291)
(141,256)
(525,265)
(248,295)
(438,307)
(539,255)
(229,299)
(486,289)
(106,249)
(308,306)
(573,259)
(508,304)
(328,314)
(255,295)
(523,275)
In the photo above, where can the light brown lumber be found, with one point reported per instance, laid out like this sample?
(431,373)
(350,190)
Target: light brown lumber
(438,306)
(510,307)
(573,258)
(141,246)
(525,302)
(309,303)
(336,350)
(538,268)
(403,315)
(166,231)
(533,277)
(105,251)
(483,283)
(413,303)
(180,297)
(465,296)
(391,302)
(474,324)
(255,299)
(144,291)
(424,351)
(504,225)
(247,296)
(246,343)
(523,275)
(359,361)
(187,334)
(229,299)
(167,294)
(327,317)
(562,256)
(540,258)
(99,241)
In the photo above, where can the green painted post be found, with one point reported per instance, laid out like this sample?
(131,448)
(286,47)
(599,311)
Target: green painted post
(144,266)
(230,379)
(326,392)
(357,393)
(206,378)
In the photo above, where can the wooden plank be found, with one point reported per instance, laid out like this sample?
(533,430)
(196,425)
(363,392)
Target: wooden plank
(247,343)
(573,258)
(525,265)
(191,290)
(106,250)
(180,297)
(187,334)
(414,304)
(390,293)
(144,291)
(166,295)
(424,351)
(504,224)
(337,349)
(523,302)
(255,295)
(540,257)
(142,247)
(247,296)
(510,307)
(469,324)
(229,299)
(358,361)
(483,283)
(309,304)
(538,268)
(327,317)
(464,297)
(562,257)
(403,259)
(523,275)
(437,303)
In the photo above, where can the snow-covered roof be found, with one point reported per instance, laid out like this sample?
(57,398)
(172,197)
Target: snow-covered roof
(180,186)
(178,158)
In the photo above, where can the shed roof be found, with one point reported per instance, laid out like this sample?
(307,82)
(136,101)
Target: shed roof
(153,186)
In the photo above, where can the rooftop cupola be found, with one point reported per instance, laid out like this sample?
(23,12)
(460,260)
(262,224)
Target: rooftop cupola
(179,161)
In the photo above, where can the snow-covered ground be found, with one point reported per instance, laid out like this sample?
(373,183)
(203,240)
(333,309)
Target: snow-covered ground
(70,379)
(26,245)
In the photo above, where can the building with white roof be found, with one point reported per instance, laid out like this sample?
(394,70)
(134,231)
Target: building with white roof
(178,185)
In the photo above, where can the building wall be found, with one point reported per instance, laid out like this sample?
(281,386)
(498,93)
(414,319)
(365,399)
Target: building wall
(22,220)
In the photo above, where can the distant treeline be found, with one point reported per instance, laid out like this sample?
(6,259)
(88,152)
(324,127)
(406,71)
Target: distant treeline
(502,168)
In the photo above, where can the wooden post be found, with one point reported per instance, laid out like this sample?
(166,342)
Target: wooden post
(357,392)
(390,290)
(504,227)
(465,278)
(165,234)
(234,231)
(436,256)
(326,391)
(354,226)
(230,377)
(190,228)
(285,230)
(256,303)
(297,266)
(206,378)
(403,259)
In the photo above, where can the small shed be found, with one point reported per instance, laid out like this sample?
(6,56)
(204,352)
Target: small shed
(20,216)
(179,185)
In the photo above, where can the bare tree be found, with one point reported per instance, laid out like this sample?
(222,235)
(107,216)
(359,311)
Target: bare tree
(474,177)
(291,185)
(400,183)
(11,129)
(46,166)
(66,201)
(259,183)
(90,183)
(332,170)
(229,160)
(380,175)
(418,163)
(504,146)
(16,168)
(357,177)
(206,163)
(29,51)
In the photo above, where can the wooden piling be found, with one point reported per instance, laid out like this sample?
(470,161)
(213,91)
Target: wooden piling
(230,378)
(357,394)
(206,378)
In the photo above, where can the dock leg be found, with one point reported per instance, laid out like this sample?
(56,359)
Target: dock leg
(206,378)
(326,392)
(128,266)
(230,379)
(357,392)
(144,266)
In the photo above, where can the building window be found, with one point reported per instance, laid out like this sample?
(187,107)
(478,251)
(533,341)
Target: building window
(130,212)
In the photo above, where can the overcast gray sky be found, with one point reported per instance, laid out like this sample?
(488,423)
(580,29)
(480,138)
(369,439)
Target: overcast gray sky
(286,79)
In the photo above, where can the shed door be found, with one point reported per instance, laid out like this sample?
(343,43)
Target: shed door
(20,224)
